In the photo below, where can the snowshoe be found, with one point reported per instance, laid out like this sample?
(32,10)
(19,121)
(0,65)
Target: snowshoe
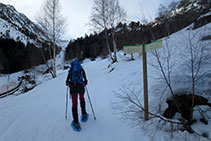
(76,126)
(84,117)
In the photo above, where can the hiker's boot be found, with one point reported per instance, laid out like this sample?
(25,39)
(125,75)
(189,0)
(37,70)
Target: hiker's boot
(83,111)
(76,126)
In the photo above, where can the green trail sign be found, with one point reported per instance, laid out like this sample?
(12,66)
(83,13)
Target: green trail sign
(142,49)
(153,46)
(139,48)
(133,49)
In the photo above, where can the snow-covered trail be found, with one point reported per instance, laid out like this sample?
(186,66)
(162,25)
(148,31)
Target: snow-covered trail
(39,114)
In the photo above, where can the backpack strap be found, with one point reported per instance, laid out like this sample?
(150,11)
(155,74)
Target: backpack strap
(81,76)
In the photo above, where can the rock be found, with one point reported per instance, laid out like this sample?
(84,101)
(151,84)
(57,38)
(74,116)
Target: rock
(182,104)
(203,120)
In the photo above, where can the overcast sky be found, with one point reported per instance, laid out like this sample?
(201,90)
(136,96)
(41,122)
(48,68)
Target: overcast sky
(77,12)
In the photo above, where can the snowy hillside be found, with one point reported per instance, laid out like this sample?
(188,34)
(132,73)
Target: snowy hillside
(38,115)
(17,26)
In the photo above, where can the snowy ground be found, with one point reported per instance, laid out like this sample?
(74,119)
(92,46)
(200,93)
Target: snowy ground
(39,115)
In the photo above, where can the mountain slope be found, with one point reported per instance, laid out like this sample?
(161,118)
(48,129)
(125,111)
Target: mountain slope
(22,43)
(17,26)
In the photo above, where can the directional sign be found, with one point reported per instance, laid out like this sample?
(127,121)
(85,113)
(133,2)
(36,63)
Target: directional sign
(139,48)
(133,49)
(142,49)
(153,46)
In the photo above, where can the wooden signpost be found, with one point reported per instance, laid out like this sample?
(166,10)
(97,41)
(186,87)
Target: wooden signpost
(142,49)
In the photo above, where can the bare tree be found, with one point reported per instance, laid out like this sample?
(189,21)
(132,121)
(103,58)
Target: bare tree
(53,24)
(196,54)
(117,15)
(99,19)
(107,14)
(131,107)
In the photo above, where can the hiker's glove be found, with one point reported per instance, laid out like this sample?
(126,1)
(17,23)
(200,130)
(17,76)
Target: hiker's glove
(67,83)
(85,82)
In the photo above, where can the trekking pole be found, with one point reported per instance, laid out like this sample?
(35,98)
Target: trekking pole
(90,103)
(66,103)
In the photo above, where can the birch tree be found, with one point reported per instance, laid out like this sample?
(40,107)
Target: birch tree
(117,15)
(106,14)
(53,24)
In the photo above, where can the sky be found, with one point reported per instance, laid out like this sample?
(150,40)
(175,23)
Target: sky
(77,12)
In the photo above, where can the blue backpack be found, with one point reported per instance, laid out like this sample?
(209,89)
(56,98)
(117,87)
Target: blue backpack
(76,72)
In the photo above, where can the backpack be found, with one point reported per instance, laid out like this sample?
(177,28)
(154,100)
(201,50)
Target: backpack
(76,72)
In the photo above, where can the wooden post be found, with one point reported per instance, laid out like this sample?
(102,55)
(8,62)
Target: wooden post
(142,50)
(146,116)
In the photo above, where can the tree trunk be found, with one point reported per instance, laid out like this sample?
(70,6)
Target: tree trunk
(46,63)
(192,75)
(54,56)
(49,49)
(114,46)
(193,88)
(107,44)
(54,40)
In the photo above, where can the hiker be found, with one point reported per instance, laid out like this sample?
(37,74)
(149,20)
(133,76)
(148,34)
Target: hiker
(77,80)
